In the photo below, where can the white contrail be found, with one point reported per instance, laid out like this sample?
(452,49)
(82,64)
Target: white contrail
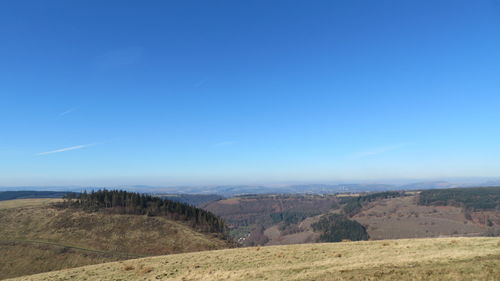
(225,143)
(67,111)
(65,149)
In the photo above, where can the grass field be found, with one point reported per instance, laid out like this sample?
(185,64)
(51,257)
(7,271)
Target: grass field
(406,259)
(18,203)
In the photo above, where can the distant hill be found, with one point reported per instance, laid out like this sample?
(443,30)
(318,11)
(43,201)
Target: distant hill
(40,237)
(238,190)
(427,185)
(290,219)
(250,215)
(192,199)
(10,195)
(437,259)
(305,188)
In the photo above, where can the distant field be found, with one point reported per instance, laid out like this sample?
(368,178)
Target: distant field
(17,203)
(430,259)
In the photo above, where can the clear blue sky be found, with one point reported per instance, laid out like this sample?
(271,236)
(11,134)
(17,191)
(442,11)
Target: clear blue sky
(217,92)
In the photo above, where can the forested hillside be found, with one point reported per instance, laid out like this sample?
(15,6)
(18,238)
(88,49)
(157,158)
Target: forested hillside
(477,198)
(354,204)
(335,228)
(123,202)
(249,215)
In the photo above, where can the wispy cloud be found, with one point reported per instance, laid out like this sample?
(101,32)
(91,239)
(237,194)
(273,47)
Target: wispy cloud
(67,111)
(378,151)
(225,143)
(66,149)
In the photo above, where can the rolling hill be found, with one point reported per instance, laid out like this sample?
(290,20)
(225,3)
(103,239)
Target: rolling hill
(37,237)
(249,216)
(407,259)
(402,217)
(289,219)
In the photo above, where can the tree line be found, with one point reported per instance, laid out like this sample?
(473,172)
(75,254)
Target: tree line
(354,204)
(475,198)
(123,202)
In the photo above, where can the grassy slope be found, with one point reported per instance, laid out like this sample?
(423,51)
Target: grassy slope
(36,238)
(417,259)
(18,259)
(402,218)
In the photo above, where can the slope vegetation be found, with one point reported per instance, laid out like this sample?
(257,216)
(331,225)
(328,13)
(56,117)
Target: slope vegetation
(417,259)
(39,237)
(290,219)
(402,217)
(248,216)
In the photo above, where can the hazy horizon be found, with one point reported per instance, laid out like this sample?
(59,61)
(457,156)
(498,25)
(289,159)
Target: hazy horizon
(460,181)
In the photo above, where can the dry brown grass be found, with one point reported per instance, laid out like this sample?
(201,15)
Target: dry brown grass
(86,238)
(18,259)
(18,203)
(402,218)
(133,234)
(407,259)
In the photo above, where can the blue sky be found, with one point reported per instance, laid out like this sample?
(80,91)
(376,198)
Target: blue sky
(219,92)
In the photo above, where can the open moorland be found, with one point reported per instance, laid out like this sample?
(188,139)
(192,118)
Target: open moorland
(406,259)
(37,237)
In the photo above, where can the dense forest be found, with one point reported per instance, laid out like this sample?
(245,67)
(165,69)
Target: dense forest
(354,204)
(335,228)
(476,198)
(123,202)
(291,217)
